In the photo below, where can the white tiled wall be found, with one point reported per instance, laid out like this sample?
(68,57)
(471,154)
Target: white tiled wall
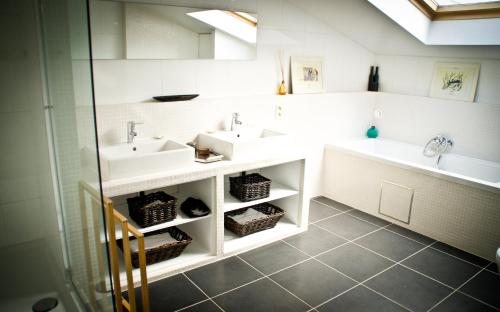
(412,75)
(474,127)
(313,119)
(281,26)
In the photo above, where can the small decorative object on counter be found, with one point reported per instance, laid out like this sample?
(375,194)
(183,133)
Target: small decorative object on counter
(159,245)
(249,187)
(281,86)
(372,132)
(373,79)
(151,209)
(194,208)
(252,219)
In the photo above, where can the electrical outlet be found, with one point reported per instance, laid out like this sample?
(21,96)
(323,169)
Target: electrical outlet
(280,112)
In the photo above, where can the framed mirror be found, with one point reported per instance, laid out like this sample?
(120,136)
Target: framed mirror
(131,30)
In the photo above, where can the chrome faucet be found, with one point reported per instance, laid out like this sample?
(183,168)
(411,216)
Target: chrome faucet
(437,146)
(131,133)
(235,122)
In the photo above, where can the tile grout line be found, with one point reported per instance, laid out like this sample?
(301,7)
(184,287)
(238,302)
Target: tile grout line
(343,244)
(273,281)
(396,262)
(318,202)
(457,290)
(390,223)
(357,283)
(203,292)
(332,216)
(192,305)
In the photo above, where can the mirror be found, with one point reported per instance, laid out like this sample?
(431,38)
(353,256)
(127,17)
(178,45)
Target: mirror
(128,30)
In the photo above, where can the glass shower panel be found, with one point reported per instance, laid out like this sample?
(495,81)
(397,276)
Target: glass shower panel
(68,76)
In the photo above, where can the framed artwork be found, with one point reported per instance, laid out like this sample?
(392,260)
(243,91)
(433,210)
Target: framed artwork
(307,75)
(455,81)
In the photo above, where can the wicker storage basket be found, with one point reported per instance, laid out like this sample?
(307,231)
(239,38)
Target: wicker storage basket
(151,209)
(164,252)
(273,213)
(249,187)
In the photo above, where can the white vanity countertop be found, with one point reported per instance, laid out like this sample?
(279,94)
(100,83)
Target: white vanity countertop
(194,172)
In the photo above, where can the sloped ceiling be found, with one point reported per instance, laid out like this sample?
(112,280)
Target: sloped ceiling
(365,24)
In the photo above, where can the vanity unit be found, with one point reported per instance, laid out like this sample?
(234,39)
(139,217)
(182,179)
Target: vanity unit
(210,183)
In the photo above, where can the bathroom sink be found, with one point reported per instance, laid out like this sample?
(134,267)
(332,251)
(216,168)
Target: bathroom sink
(245,143)
(143,157)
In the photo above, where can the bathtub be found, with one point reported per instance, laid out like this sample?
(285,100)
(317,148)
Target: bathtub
(456,201)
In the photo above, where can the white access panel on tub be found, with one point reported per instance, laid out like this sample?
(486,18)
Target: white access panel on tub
(396,201)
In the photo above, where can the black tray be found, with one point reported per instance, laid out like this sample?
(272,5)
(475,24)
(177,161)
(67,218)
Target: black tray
(173,98)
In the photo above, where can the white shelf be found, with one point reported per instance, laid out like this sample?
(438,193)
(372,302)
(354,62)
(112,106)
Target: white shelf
(233,243)
(181,218)
(277,191)
(194,253)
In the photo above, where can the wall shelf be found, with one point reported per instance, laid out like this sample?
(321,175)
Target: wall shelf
(180,219)
(277,191)
(234,244)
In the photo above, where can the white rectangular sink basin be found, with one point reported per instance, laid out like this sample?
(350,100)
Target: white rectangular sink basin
(143,157)
(245,143)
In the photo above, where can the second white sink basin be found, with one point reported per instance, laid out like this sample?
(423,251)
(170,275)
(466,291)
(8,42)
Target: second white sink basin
(143,157)
(245,143)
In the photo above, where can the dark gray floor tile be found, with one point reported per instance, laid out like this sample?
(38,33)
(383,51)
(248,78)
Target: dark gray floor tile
(368,217)
(347,226)
(332,203)
(360,299)
(440,266)
(206,306)
(224,275)
(461,303)
(410,234)
(408,288)
(461,254)
(319,211)
(263,295)
(389,244)
(355,261)
(313,282)
(485,286)
(493,267)
(164,295)
(273,257)
(315,241)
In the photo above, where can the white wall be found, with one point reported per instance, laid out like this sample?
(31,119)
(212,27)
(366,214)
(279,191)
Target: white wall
(473,127)
(281,26)
(412,75)
(324,117)
(149,34)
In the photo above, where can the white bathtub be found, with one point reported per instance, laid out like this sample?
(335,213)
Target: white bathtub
(457,202)
(453,167)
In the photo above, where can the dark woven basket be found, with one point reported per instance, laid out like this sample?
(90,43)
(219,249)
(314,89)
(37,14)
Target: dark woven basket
(163,252)
(273,213)
(145,215)
(249,187)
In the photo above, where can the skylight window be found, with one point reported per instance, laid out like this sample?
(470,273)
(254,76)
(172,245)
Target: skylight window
(458,9)
(461,2)
(237,24)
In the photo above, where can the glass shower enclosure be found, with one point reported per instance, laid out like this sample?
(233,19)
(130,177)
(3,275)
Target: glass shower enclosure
(53,245)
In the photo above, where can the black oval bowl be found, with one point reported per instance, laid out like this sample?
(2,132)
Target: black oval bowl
(173,98)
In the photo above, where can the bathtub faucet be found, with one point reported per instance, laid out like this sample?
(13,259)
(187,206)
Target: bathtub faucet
(437,146)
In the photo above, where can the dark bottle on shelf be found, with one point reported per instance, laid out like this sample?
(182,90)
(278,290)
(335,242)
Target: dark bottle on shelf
(370,79)
(375,80)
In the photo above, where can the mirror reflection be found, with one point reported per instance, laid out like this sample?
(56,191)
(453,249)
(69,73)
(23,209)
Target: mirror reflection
(128,30)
